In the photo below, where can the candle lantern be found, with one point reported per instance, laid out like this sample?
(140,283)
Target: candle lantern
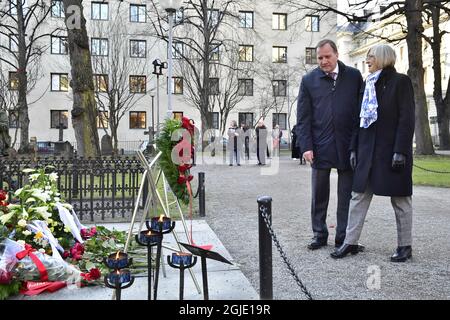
(161,224)
(118,260)
(119,279)
(181,260)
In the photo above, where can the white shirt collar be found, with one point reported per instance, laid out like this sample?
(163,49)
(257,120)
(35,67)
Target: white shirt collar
(336,70)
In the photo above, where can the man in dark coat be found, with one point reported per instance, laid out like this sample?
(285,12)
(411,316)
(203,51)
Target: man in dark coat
(327,113)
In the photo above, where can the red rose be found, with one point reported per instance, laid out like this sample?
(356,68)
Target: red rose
(181,179)
(66,254)
(5,277)
(95,273)
(3,195)
(184,167)
(190,177)
(77,251)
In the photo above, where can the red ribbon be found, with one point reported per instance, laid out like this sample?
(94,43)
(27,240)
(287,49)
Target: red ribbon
(29,252)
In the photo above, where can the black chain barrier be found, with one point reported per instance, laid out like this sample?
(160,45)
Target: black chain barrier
(429,170)
(283,254)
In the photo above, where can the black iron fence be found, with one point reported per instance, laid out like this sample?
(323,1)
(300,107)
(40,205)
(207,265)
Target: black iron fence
(99,189)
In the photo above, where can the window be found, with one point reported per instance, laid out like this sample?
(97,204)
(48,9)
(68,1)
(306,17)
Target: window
(245,87)
(246,19)
(102,120)
(245,53)
(279,88)
(279,21)
(177,115)
(247,118)
(279,119)
(138,13)
(179,16)
(101,82)
(214,86)
(312,23)
(138,48)
(138,84)
(214,52)
(60,82)
(99,11)
(138,119)
(310,56)
(58,9)
(13,119)
(177,85)
(13,7)
(214,120)
(213,17)
(13,46)
(279,54)
(58,117)
(177,50)
(13,81)
(99,47)
(58,45)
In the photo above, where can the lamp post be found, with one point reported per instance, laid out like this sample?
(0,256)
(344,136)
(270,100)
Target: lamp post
(157,70)
(153,114)
(171,6)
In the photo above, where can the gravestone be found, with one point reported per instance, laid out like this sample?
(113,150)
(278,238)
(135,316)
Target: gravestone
(106,145)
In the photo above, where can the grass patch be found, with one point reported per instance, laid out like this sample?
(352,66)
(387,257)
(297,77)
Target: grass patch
(435,163)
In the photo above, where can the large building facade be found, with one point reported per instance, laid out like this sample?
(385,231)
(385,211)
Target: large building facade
(274,45)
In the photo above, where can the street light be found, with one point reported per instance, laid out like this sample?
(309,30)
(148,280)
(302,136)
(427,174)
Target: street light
(157,70)
(171,6)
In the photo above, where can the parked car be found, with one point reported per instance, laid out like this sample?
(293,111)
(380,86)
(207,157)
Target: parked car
(45,147)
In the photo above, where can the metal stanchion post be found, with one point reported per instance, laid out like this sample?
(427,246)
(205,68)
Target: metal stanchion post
(265,248)
(201,194)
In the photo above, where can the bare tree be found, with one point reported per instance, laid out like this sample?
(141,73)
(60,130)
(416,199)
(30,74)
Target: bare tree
(21,23)
(203,30)
(411,10)
(114,96)
(84,109)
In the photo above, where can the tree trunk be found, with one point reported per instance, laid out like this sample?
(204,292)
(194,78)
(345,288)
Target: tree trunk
(84,108)
(22,104)
(442,114)
(424,144)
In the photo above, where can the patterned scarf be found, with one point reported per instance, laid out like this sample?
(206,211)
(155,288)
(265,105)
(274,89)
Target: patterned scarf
(369,104)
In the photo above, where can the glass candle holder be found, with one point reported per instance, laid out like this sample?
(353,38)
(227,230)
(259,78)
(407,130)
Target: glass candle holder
(123,276)
(148,236)
(181,257)
(117,260)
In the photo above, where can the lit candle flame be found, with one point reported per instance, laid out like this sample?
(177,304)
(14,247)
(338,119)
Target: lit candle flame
(149,233)
(117,272)
(161,218)
(117,255)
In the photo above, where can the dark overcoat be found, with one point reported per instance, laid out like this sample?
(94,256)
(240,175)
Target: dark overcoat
(327,114)
(392,132)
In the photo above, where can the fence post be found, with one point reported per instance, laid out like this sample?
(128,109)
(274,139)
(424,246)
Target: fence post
(75,176)
(265,249)
(201,193)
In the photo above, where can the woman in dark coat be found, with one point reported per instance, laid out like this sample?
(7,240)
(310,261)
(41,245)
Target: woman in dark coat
(382,152)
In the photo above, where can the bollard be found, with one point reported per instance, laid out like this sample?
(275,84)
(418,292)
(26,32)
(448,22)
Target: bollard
(201,193)
(265,249)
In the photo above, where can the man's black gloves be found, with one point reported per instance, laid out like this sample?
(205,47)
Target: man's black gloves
(353,160)
(398,161)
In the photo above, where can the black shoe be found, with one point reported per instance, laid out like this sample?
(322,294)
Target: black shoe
(402,254)
(238,165)
(338,244)
(344,250)
(231,165)
(316,244)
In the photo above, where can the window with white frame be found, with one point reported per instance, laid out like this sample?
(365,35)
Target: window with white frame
(138,48)
(312,23)
(102,119)
(58,45)
(279,119)
(279,54)
(99,10)
(279,21)
(310,56)
(138,13)
(59,117)
(177,85)
(13,7)
(246,19)
(214,120)
(99,47)
(179,16)
(59,82)
(246,53)
(213,17)
(101,82)
(214,52)
(57,9)
(13,46)
(138,120)
(214,86)
(279,88)
(245,87)
(177,50)
(138,84)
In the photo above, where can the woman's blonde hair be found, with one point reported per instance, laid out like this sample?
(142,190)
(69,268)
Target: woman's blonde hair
(384,55)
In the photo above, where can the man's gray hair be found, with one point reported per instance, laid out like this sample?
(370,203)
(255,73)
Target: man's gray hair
(384,55)
(327,41)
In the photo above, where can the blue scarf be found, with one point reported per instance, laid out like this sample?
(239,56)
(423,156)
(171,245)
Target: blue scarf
(369,104)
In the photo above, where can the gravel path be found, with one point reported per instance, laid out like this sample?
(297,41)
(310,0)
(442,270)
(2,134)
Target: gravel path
(231,211)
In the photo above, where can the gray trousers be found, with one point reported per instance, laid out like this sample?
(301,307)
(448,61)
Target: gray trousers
(234,153)
(359,205)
